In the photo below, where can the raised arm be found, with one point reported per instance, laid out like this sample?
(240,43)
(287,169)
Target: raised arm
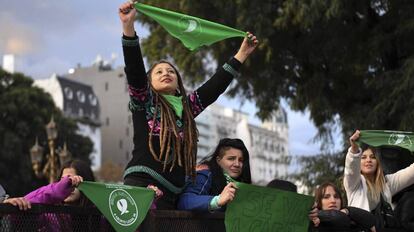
(218,83)
(352,175)
(134,64)
(401,179)
(127,15)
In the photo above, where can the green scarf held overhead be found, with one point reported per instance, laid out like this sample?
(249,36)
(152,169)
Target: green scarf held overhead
(176,103)
(125,207)
(378,138)
(193,32)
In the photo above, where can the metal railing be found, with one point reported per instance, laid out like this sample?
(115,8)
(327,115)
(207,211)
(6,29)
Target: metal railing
(46,218)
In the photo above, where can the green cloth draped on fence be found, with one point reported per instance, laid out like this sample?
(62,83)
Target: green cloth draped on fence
(125,207)
(193,32)
(378,138)
(264,209)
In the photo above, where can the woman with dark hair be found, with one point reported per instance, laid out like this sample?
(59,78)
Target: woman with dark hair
(165,133)
(331,215)
(213,187)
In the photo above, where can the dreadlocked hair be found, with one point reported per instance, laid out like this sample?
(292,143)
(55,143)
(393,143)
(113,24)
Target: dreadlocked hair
(182,149)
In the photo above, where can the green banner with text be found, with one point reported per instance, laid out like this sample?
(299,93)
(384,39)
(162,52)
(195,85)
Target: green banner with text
(265,209)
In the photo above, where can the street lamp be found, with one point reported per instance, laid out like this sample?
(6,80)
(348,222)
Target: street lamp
(64,155)
(51,168)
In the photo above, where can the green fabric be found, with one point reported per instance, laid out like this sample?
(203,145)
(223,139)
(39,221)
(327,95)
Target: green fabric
(264,209)
(214,203)
(378,138)
(228,178)
(176,103)
(125,207)
(193,32)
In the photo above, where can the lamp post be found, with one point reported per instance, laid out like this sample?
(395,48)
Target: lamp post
(51,168)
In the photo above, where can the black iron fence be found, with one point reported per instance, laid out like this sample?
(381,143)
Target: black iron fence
(44,218)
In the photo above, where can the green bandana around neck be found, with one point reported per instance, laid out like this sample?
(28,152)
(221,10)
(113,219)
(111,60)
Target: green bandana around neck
(176,103)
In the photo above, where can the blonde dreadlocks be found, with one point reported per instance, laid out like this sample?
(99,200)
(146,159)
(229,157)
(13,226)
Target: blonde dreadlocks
(184,151)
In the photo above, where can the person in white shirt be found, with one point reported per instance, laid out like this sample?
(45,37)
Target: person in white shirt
(364,179)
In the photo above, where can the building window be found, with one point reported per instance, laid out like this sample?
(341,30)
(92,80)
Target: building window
(92,99)
(106,86)
(68,93)
(80,112)
(107,121)
(81,96)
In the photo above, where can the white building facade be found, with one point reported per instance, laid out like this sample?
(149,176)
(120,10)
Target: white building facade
(77,101)
(110,86)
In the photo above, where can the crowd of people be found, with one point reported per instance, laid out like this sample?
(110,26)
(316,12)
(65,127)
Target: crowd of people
(165,151)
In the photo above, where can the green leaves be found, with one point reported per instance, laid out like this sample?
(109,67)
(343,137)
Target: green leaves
(315,170)
(340,59)
(24,112)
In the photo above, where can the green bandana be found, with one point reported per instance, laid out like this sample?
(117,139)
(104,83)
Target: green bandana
(377,138)
(176,103)
(125,207)
(192,31)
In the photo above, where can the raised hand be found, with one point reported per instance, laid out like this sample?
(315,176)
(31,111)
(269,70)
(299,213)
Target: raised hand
(127,15)
(248,45)
(352,139)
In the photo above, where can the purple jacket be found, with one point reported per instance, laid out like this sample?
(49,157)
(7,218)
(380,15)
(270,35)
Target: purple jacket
(53,193)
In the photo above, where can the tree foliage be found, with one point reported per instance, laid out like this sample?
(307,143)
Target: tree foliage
(24,112)
(317,169)
(350,60)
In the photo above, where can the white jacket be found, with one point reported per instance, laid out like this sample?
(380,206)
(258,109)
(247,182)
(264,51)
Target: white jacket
(356,186)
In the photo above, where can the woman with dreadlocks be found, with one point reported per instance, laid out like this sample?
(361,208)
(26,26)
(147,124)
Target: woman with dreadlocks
(165,133)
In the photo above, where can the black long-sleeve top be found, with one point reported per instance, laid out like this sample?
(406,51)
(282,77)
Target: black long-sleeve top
(356,220)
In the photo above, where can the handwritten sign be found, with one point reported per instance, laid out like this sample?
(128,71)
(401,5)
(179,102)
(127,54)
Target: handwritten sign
(264,209)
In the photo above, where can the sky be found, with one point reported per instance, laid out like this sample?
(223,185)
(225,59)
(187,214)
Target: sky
(48,36)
